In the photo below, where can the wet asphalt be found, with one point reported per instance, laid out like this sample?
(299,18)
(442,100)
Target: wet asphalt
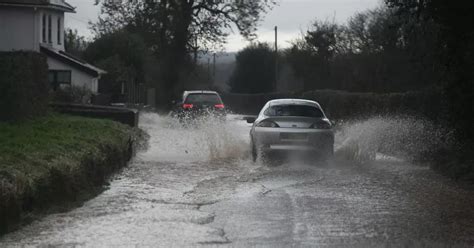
(197,186)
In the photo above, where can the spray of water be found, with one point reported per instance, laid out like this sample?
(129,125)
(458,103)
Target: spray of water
(224,139)
(405,138)
(201,139)
(211,138)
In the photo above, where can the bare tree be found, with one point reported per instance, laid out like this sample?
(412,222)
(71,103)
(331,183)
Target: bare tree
(174,29)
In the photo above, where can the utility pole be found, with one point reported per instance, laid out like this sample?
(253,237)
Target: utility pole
(195,50)
(209,75)
(214,69)
(276,59)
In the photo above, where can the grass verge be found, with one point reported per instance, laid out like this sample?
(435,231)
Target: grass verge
(56,159)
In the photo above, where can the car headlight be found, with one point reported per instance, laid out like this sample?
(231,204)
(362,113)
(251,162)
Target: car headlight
(267,124)
(321,125)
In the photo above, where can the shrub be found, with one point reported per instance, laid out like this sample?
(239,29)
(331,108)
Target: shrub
(24,85)
(72,94)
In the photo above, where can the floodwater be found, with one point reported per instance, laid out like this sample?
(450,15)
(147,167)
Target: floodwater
(197,186)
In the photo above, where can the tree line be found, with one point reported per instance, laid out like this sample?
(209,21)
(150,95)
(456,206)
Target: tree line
(455,51)
(378,50)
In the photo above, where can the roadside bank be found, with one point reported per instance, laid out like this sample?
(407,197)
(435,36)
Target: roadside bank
(57,160)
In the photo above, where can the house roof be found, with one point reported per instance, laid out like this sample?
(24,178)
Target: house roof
(73,61)
(61,5)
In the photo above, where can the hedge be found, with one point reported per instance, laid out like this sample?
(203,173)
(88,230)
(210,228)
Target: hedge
(348,105)
(24,87)
(56,161)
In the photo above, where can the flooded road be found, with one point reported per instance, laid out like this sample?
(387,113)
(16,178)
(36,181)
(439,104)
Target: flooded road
(197,186)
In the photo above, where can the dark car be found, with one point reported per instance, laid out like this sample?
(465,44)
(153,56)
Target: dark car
(198,103)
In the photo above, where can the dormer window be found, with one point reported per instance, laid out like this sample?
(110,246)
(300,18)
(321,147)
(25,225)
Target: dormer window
(59,31)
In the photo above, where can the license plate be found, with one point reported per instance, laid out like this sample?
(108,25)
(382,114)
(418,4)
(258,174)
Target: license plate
(293,136)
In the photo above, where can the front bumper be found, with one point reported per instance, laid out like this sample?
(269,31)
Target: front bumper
(293,139)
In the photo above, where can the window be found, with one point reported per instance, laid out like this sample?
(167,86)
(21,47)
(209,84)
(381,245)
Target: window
(44,28)
(294,110)
(58,78)
(203,99)
(59,31)
(50,29)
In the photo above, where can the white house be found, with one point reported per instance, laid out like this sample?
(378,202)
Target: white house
(38,25)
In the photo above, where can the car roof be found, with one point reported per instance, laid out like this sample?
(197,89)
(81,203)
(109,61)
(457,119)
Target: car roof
(290,101)
(199,92)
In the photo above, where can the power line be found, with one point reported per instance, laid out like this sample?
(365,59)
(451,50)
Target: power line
(79,20)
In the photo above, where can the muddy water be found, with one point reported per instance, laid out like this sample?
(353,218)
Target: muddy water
(197,186)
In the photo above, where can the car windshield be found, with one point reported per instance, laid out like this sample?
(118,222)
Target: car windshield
(203,98)
(294,110)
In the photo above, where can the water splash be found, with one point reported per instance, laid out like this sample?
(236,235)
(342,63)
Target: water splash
(207,139)
(201,139)
(406,138)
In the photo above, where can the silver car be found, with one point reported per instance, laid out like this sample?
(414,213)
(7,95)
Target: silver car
(291,125)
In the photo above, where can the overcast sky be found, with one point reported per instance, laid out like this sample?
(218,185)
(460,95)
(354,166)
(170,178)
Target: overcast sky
(291,17)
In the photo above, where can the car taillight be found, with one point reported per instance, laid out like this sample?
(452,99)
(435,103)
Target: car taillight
(219,106)
(188,106)
(267,124)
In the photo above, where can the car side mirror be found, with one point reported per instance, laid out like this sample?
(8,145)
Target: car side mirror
(250,119)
